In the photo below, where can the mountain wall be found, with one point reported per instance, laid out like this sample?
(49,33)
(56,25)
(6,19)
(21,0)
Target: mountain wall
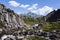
(53,16)
(10,18)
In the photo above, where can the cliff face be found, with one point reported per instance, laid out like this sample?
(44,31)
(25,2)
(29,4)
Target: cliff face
(53,16)
(9,18)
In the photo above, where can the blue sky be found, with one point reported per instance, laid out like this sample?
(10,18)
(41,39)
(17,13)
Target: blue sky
(41,7)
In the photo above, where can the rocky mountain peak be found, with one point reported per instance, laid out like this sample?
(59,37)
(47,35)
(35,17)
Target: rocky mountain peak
(10,18)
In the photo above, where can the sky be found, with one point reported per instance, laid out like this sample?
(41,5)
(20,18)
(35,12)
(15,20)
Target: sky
(40,7)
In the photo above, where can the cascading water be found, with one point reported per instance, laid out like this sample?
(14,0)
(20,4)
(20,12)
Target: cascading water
(6,37)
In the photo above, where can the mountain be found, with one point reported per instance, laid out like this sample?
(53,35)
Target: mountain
(10,18)
(33,14)
(30,14)
(53,16)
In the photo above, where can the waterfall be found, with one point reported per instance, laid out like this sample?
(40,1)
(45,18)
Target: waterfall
(8,36)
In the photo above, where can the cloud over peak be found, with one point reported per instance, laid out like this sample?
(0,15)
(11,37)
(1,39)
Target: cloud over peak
(45,10)
(42,11)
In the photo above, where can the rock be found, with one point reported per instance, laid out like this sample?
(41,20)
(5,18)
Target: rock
(10,18)
(53,16)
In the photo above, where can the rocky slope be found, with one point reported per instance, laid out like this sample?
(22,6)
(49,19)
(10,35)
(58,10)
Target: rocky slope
(53,16)
(10,18)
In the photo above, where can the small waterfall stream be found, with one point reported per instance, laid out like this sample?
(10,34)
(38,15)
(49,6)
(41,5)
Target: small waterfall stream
(8,37)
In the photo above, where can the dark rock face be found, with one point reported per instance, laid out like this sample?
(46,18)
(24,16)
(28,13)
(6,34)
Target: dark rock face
(53,16)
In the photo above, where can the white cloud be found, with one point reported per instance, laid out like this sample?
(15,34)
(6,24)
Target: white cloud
(24,6)
(42,11)
(34,6)
(45,10)
(56,9)
(14,3)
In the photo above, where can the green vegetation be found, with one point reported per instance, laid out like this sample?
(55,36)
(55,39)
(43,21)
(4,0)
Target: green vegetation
(31,20)
(47,26)
(35,38)
(51,26)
